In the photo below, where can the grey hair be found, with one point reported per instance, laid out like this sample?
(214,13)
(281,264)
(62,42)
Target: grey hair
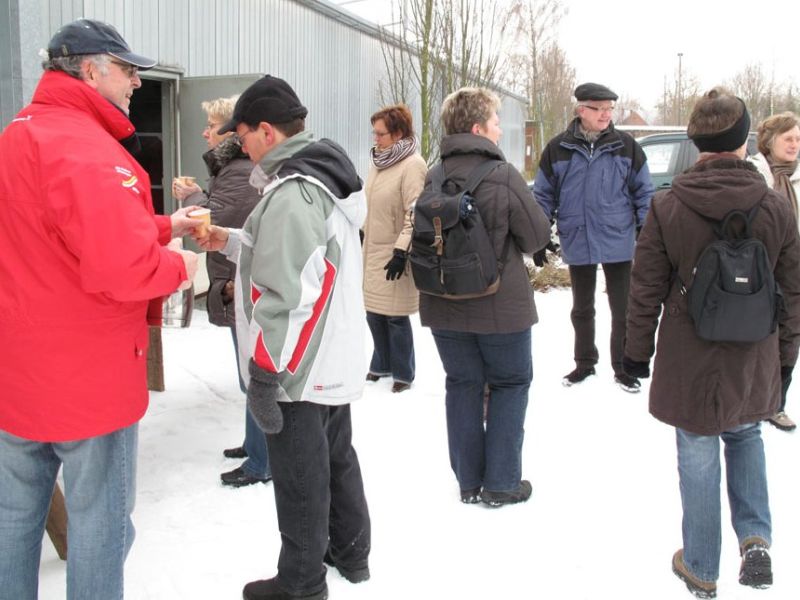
(71,65)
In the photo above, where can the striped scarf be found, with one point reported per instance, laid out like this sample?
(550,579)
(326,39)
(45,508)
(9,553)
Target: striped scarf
(401,149)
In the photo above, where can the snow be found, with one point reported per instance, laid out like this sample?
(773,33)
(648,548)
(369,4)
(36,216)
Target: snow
(603,521)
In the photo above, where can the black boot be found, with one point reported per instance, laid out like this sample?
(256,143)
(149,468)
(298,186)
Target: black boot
(268,589)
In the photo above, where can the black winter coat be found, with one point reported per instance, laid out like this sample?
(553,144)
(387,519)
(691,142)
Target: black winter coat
(516,225)
(231,198)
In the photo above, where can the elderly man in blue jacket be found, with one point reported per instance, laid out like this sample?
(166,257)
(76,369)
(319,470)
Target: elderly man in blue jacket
(593,181)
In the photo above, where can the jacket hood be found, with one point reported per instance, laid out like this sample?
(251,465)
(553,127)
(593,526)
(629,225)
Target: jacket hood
(714,187)
(59,89)
(469,143)
(325,162)
(226,151)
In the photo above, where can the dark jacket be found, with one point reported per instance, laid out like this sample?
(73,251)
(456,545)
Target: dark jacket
(700,386)
(230,198)
(600,193)
(515,223)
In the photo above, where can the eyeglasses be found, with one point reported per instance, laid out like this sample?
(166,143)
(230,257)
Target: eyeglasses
(128,69)
(210,126)
(600,109)
(379,134)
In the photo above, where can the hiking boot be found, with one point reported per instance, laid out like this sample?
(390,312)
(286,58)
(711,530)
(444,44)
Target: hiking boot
(472,496)
(782,421)
(495,499)
(698,587)
(577,375)
(628,383)
(756,569)
(352,575)
(268,589)
(400,386)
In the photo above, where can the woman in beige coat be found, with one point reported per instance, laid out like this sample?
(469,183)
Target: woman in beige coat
(395,180)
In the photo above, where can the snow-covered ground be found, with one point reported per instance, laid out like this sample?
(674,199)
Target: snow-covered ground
(603,521)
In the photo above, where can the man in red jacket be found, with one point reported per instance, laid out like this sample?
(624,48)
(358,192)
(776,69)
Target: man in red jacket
(81,256)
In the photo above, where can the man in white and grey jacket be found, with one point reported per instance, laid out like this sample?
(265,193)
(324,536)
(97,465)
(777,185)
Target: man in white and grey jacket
(300,317)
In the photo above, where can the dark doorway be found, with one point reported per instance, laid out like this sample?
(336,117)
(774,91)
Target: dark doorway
(145,114)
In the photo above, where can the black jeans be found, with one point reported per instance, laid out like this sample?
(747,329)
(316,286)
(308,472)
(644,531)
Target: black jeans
(319,495)
(584,283)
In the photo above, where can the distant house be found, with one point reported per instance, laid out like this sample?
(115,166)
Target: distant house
(631,118)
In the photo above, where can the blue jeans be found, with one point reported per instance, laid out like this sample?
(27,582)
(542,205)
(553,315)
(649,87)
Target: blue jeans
(700,473)
(319,495)
(393,342)
(255,442)
(490,456)
(99,488)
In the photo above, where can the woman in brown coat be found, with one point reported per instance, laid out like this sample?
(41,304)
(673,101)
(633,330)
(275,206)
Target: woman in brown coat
(393,184)
(711,390)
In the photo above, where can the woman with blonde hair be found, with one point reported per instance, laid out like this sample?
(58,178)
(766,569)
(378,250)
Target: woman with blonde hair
(778,145)
(395,180)
(230,197)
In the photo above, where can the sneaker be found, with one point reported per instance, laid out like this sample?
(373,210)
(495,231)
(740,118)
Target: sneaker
(756,569)
(698,587)
(496,499)
(628,383)
(782,421)
(472,496)
(352,575)
(578,375)
(268,589)
(238,452)
(240,478)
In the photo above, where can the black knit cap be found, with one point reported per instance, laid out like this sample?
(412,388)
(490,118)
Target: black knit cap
(86,36)
(727,140)
(593,91)
(270,99)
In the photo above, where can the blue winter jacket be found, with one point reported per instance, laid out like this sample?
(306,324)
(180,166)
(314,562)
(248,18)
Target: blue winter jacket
(598,194)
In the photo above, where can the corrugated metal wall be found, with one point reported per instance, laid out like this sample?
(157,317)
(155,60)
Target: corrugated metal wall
(334,66)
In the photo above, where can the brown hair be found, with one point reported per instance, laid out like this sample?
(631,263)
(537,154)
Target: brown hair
(715,112)
(465,107)
(291,128)
(396,118)
(773,126)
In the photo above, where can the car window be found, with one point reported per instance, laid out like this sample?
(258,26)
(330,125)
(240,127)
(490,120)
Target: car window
(662,158)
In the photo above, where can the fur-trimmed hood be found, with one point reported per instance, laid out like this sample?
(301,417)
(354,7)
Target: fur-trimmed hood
(226,151)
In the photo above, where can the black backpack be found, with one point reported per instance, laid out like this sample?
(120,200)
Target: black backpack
(734,296)
(451,252)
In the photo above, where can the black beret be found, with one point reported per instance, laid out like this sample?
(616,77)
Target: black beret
(269,99)
(593,91)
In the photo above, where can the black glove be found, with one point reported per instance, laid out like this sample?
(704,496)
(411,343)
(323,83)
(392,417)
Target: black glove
(263,395)
(395,267)
(540,257)
(634,368)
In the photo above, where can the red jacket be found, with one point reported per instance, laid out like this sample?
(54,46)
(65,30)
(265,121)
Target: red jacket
(81,254)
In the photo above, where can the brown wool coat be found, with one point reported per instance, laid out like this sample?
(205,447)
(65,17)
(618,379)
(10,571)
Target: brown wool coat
(706,387)
(516,224)
(390,194)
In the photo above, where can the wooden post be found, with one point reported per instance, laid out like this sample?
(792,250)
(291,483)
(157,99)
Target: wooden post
(57,522)
(155,362)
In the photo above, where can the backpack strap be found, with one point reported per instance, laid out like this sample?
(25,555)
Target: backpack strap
(479,174)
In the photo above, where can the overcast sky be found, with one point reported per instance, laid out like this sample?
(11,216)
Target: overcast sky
(632,45)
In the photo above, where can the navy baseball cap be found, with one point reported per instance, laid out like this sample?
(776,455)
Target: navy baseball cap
(86,36)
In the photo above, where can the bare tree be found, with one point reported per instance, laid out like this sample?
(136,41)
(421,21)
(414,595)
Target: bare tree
(541,69)
(753,86)
(441,45)
(678,100)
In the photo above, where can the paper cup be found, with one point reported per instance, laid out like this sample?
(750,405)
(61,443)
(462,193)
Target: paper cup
(186,180)
(203,215)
